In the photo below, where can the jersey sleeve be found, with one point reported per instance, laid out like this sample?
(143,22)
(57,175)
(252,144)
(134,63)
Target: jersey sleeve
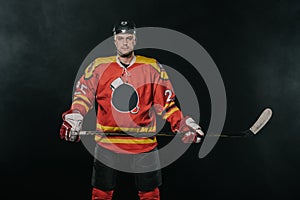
(164,100)
(84,94)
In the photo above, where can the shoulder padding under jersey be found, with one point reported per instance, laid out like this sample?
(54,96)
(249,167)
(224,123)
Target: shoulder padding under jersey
(88,72)
(153,62)
(150,61)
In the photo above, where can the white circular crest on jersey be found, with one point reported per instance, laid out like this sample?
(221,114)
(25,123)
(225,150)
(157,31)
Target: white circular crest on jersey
(124,97)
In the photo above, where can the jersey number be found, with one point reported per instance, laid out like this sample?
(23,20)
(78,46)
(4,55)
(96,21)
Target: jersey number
(169,93)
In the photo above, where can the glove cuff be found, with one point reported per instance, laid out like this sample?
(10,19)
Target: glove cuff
(183,127)
(188,124)
(70,112)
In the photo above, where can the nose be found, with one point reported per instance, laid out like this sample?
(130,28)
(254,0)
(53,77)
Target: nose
(125,42)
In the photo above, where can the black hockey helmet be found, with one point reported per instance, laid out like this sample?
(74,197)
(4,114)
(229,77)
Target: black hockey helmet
(124,26)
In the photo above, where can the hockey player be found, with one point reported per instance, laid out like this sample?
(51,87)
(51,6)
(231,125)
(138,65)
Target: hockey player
(108,81)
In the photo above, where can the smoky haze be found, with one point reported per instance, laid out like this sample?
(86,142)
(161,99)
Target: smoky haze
(255,44)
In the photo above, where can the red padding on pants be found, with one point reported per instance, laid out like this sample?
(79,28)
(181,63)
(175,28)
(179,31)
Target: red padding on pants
(150,195)
(98,194)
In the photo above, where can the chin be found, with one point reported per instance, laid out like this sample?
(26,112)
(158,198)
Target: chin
(126,54)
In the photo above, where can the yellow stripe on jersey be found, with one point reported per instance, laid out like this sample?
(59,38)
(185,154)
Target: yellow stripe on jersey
(164,75)
(149,61)
(88,72)
(166,106)
(125,129)
(131,140)
(80,96)
(170,112)
(152,62)
(169,104)
(102,60)
(81,103)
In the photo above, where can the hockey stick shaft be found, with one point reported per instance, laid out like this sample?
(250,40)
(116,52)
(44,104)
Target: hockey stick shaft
(162,134)
(261,121)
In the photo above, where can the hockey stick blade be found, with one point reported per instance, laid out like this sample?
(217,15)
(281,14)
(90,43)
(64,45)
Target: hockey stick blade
(261,121)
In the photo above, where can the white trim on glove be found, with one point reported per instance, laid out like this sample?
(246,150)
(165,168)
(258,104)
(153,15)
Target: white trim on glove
(75,120)
(195,134)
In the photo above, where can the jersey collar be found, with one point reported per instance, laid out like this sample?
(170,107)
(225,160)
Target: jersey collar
(131,63)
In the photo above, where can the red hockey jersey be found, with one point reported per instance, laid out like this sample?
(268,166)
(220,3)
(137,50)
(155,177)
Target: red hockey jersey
(128,100)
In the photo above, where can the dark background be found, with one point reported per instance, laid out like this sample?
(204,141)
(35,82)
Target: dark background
(255,44)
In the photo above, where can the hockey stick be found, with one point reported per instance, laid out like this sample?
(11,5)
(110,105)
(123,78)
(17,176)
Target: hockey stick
(262,120)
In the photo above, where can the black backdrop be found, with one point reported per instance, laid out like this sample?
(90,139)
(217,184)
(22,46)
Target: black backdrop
(255,45)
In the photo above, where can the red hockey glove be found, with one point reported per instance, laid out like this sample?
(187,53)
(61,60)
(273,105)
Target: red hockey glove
(72,123)
(192,132)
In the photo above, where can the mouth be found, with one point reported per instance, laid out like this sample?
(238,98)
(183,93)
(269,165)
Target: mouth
(125,54)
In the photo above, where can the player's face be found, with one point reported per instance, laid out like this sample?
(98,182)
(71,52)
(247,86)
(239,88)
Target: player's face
(125,43)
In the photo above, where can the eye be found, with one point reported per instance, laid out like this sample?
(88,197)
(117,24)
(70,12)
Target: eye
(130,38)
